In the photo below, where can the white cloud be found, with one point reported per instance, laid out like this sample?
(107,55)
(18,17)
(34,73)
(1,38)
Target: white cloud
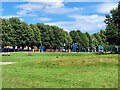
(26,13)
(27,9)
(88,18)
(106,7)
(60,10)
(40,5)
(89,23)
(57,7)
(21,19)
(77,9)
(30,6)
(10,16)
(43,19)
(46,7)
(53,4)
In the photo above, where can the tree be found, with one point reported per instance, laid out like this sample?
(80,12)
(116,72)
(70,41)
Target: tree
(44,35)
(22,34)
(97,36)
(59,36)
(102,34)
(89,38)
(15,24)
(80,38)
(36,35)
(26,36)
(75,37)
(6,33)
(83,40)
(51,37)
(113,26)
(94,41)
(68,40)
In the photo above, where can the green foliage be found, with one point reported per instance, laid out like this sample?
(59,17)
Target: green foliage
(74,36)
(15,24)
(53,36)
(7,35)
(36,35)
(103,35)
(85,40)
(80,38)
(59,36)
(94,41)
(97,36)
(89,39)
(113,26)
(45,36)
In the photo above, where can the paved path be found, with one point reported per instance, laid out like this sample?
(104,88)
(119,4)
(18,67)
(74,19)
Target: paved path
(4,63)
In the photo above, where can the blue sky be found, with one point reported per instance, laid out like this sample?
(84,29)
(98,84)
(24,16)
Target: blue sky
(85,16)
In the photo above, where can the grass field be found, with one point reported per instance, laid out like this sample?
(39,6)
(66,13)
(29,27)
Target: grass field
(60,70)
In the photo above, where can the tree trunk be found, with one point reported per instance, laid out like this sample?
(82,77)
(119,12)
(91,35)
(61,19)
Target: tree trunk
(18,48)
(13,48)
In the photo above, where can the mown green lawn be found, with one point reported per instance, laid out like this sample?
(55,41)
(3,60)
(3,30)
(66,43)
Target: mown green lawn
(60,70)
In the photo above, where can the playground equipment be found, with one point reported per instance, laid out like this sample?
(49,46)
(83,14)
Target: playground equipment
(74,47)
(100,49)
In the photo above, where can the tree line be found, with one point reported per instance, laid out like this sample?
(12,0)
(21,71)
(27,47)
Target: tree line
(19,33)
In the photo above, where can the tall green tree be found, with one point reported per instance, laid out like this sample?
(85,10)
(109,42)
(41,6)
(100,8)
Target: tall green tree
(44,35)
(80,38)
(113,26)
(89,38)
(26,36)
(97,36)
(59,36)
(6,33)
(75,37)
(36,35)
(68,40)
(94,41)
(83,40)
(103,35)
(16,31)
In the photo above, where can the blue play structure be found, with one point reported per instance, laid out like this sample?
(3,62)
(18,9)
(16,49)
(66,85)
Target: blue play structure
(74,47)
(100,47)
(42,49)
